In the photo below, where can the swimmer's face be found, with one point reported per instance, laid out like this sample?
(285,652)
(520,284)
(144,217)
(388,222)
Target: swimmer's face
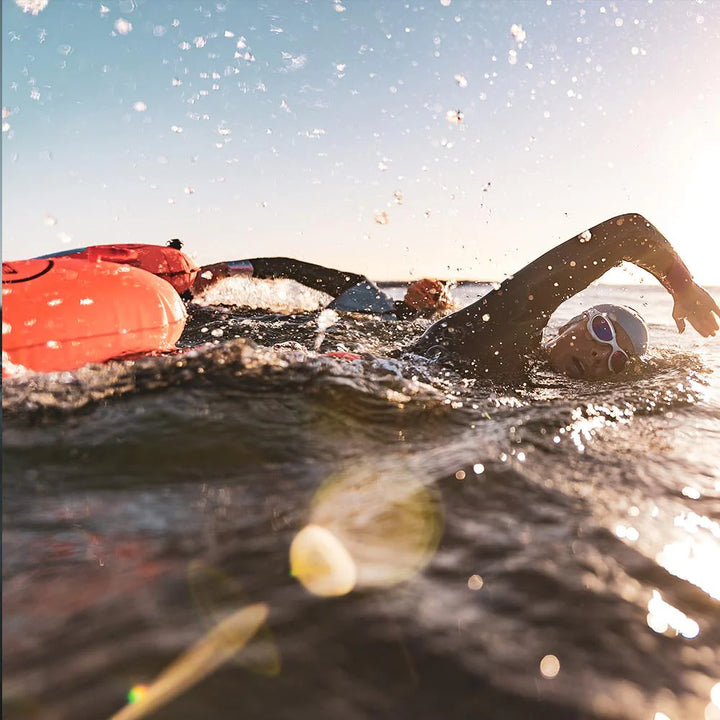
(578,354)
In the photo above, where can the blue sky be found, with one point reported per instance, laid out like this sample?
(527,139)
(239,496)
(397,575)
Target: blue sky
(319,129)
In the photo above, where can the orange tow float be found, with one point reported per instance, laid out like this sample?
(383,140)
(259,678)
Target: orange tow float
(166,262)
(60,313)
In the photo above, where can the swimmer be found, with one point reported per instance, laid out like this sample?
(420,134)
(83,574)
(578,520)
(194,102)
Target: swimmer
(503,331)
(351,292)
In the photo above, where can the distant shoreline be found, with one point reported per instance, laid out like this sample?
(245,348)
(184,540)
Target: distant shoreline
(459,283)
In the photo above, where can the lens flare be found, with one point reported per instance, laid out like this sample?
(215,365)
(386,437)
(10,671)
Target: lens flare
(215,594)
(202,659)
(368,528)
(321,563)
(137,693)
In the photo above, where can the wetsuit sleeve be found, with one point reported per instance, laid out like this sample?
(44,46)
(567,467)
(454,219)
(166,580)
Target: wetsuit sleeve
(330,281)
(505,326)
(351,292)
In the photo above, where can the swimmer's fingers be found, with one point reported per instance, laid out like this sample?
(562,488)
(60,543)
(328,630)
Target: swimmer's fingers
(703,321)
(697,307)
(707,310)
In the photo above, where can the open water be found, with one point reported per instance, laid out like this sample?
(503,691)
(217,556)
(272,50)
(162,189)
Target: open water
(545,550)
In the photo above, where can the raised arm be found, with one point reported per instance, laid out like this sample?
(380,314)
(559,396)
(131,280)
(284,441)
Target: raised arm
(572,266)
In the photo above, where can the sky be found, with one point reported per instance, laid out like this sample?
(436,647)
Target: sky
(443,138)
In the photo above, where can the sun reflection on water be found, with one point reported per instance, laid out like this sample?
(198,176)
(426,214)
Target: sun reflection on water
(664,618)
(696,557)
(586,421)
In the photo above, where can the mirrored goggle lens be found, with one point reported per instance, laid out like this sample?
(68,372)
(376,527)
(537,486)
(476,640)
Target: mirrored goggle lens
(618,360)
(602,328)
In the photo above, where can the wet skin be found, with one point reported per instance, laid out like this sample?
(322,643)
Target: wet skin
(577,354)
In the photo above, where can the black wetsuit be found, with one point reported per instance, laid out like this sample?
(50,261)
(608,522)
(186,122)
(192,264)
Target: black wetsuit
(502,331)
(336,283)
(327,280)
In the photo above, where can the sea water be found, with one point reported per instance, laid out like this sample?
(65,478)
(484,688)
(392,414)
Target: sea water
(549,549)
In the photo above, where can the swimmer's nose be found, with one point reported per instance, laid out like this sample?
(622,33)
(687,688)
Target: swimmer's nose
(600,359)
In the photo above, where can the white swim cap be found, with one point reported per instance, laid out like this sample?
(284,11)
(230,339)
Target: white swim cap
(631,322)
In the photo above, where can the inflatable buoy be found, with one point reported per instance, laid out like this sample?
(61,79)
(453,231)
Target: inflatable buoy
(166,262)
(61,313)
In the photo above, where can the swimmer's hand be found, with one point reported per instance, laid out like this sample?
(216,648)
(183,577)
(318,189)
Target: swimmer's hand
(695,305)
(428,294)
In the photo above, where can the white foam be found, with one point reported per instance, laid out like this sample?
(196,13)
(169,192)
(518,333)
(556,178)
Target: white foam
(281,296)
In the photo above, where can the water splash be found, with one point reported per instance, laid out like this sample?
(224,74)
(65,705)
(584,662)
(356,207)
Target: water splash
(34,7)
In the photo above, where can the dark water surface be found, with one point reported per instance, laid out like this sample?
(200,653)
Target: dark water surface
(544,550)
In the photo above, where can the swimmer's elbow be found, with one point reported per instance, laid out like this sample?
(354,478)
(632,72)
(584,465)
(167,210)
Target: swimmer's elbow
(631,218)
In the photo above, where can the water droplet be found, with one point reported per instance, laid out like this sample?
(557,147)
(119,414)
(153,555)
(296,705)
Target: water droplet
(518,34)
(140,106)
(549,666)
(382,218)
(475,582)
(454,117)
(123,26)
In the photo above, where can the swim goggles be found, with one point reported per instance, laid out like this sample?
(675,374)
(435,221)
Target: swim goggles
(601,329)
